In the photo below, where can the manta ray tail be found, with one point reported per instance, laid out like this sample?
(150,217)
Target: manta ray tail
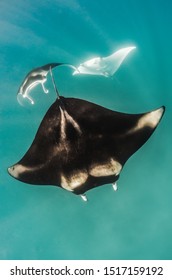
(56,90)
(54,84)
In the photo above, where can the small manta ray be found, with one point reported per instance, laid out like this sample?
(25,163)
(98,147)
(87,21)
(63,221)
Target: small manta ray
(104,66)
(35,77)
(80,145)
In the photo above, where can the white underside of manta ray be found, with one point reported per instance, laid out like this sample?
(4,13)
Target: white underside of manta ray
(104,66)
(38,76)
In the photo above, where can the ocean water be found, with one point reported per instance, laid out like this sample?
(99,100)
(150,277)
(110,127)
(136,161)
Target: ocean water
(45,222)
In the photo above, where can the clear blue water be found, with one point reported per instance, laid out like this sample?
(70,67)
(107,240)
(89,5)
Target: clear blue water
(47,222)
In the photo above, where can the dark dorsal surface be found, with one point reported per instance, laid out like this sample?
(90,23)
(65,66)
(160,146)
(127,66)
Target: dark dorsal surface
(80,145)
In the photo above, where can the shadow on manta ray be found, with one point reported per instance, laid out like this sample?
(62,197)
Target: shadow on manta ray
(80,145)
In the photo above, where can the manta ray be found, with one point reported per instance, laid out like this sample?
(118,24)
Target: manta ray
(104,66)
(32,79)
(80,145)
(35,77)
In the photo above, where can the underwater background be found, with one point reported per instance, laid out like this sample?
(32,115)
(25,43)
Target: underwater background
(46,222)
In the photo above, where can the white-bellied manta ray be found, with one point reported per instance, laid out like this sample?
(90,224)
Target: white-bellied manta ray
(104,66)
(35,77)
(80,145)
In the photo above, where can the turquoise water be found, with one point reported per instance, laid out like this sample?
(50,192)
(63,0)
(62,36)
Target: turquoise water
(39,222)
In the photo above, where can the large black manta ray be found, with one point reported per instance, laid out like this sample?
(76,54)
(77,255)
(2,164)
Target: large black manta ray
(80,145)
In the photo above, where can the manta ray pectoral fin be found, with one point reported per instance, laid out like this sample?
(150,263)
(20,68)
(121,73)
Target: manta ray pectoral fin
(44,89)
(150,120)
(21,96)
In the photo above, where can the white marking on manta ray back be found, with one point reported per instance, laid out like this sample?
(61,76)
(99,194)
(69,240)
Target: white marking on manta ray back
(150,119)
(63,125)
(73,122)
(74,181)
(66,117)
(111,167)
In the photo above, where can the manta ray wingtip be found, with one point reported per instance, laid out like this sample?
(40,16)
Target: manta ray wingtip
(150,119)
(14,170)
(163,107)
(159,113)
